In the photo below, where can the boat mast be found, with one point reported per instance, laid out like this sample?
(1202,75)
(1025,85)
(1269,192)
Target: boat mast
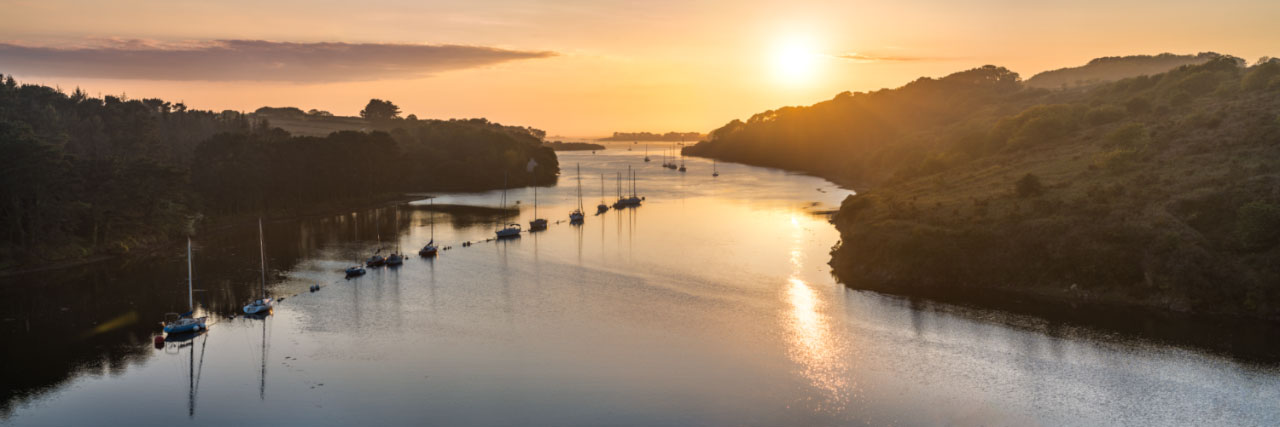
(579,187)
(504,195)
(262,253)
(191,303)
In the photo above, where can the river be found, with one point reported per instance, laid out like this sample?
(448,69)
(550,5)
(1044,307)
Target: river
(711,304)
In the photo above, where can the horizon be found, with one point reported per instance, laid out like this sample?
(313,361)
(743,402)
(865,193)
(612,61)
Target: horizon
(580,70)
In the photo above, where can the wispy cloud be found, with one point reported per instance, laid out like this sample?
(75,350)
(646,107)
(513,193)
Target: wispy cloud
(863,57)
(250,60)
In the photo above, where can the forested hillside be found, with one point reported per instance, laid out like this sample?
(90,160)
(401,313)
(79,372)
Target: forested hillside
(1154,190)
(1113,68)
(81,176)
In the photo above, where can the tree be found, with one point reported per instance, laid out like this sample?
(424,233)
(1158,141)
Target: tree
(379,110)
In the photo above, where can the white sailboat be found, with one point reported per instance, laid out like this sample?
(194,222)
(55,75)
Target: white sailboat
(576,216)
(262,304)
(430,249)
(184,323)
(513,229)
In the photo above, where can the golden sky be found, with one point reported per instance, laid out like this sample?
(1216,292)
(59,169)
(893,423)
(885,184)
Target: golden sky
(584,68)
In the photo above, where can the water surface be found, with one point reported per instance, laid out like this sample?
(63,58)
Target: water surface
(711,304)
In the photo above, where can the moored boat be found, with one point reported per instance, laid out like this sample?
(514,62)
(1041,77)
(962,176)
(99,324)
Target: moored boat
(185,323)
(262,304)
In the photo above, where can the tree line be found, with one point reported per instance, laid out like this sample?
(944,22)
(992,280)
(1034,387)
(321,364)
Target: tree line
(82,175)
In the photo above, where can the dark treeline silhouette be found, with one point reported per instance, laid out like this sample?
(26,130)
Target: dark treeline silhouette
(573,146)
(81,176)
(1152,190)
(650,136)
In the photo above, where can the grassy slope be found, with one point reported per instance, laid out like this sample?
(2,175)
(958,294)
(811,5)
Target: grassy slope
(1154,228)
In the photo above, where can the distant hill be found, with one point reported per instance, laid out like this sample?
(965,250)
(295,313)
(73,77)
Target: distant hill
(1150,191)
(1112,68)
(572,146)
(650,136)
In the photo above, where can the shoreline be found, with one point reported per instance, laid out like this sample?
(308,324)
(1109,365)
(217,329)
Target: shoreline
(211,226)
(1250,337)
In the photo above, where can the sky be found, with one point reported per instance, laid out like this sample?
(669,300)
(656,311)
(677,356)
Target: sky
(584,68)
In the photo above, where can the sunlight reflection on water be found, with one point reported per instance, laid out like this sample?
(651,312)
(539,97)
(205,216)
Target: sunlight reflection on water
(811,342)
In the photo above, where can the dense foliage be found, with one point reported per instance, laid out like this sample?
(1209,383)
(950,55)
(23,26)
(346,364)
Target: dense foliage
(82,176)
(1153,190)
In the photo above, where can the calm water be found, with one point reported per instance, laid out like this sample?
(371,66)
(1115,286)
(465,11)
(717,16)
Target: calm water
(712,304)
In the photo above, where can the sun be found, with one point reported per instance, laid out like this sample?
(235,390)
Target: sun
(795,60)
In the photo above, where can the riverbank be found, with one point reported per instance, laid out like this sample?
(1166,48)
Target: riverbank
(164,247)
(1155,192)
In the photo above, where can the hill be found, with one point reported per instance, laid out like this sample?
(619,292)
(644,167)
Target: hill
(1154,191)
(1110,69)
(573,146)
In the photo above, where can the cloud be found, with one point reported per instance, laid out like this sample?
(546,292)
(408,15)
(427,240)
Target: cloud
(860,57)
(251,60)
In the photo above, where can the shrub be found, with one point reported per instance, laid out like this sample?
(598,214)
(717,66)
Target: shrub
(1261,76)
(1258,225)
(1029,185)
(1133,135)
(1138,105)
(1117,160)
(1104,114)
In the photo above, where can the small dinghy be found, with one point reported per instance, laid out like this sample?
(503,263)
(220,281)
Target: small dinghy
(355,271)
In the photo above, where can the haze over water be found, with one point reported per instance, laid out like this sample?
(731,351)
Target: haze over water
(711,304)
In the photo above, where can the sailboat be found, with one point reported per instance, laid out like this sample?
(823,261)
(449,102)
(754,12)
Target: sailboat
(358,269)
(513,229)
(261,305)
(617,204)
(430,249)
(395,259)
(183,323)
(633,200)
(376,260)
(601,208)
(576,216)
(646,152)
(714,172)
(682,157)
(537,224)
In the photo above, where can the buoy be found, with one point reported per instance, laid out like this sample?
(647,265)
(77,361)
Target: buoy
(159,340)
